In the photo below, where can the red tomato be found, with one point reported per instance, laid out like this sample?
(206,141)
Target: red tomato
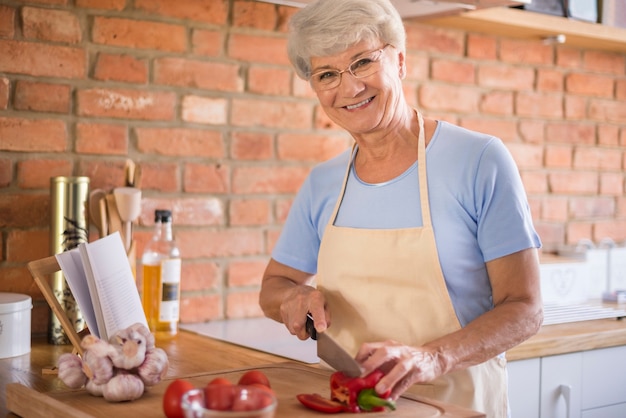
(264,388)
(173,396)
(220,381)
(254,376)
(219,397)
(253,400)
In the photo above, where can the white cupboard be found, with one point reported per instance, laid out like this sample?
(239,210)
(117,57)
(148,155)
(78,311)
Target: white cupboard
(586,384)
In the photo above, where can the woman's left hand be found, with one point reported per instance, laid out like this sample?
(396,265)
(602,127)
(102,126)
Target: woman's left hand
(403,365)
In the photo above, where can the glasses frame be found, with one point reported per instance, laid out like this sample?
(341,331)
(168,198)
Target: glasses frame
(374,58)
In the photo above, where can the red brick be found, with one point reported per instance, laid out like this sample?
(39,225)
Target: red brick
(559,156)
(6,176)
(102,4)
(19,280)
(248,212)
(254,14)
(620,89)
(526,52)
(4,93)
(245,273)
(497,103)
(42,60)
(539,105)
(36,173)
(615,229)
(31,135)
(197,74)
(198,276)
(180,142)
(417,67)
(481,46)
(612,184)
(607,110)
(243,305)
(600,159)
(55,2)
(282,210)
(532,131)
(434,39)
(604,62)
(200,211)
(279,179)
(206,42)
(502,76)
(526,156)
(460,72)
(308,147)
(577,231)
(442,97)
(233,242)
(195,308)
(7,21)
(591,207)
(121,67)
(568,57)
(214,11)
(103,174)
(608,135)
(575,108)
(549,80)
(139,34)
(301,88)
(50,25)
(535,181)
(126,104)
(42,97)
(25,210)
(25,246)
(554,209)
(552,234)
(207,110)
(270,114)
(251,146)
(621,207)
(571,133)
(504,129)
(206,178)
(269,81)
(161,177)
(100,138)
(284,15)
(573,182)
(589,84)
(260,49)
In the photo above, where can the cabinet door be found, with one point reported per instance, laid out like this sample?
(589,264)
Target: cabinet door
(524,378)
(604,377)
(561,386)
(612,411)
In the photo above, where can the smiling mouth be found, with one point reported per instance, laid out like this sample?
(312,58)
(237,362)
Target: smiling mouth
(363,103)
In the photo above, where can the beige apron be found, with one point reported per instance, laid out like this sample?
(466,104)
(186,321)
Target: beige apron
(385,284)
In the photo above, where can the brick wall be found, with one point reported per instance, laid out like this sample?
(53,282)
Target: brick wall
(201,95)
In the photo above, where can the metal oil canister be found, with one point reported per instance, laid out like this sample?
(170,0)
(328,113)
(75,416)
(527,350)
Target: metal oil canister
(69,227)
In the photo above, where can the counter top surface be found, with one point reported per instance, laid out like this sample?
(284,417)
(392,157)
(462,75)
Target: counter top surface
(191,353)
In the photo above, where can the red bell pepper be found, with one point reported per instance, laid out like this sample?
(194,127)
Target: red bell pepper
(350,394)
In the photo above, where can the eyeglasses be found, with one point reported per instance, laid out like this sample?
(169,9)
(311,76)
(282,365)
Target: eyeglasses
(360,68)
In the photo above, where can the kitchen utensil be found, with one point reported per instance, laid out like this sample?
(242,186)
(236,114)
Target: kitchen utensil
(128,201)
(97,216)
(331,352)
(113,216)
(137,177)
(129,173)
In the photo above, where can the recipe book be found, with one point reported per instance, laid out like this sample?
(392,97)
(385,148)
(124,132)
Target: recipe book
(101,280)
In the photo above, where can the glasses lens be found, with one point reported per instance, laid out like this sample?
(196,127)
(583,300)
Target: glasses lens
(325,80)
(366,66)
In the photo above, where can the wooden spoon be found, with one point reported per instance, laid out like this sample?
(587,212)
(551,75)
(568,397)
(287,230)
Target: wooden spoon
(95,213)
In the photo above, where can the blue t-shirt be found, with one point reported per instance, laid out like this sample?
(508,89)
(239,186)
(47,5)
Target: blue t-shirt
(477,201)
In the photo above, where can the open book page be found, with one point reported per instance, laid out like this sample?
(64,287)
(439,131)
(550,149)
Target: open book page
(106,264)
(72,266)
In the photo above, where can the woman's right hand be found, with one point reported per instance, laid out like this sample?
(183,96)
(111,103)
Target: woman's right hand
(297,303)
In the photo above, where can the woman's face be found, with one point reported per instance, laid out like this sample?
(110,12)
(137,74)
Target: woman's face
(362,105)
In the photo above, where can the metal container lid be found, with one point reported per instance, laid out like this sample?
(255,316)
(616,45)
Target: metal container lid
(14,302)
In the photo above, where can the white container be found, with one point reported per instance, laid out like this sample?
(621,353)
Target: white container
(14,324)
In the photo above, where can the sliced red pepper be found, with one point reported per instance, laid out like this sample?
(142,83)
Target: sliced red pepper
(347,390)
(319,403)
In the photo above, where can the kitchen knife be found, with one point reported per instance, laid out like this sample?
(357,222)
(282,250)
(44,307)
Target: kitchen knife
(331,352)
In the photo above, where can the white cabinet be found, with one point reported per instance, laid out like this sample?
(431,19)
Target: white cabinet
(587,384)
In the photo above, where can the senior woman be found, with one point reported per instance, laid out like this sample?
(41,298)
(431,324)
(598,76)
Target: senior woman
(415,249)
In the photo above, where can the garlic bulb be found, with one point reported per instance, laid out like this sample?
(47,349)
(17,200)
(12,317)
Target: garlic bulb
(71,371)
(154,367)
(123,387)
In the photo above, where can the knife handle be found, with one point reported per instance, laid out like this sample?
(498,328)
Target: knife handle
(310,327)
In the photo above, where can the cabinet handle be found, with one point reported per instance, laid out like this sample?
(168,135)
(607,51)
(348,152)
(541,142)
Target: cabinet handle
(566,391)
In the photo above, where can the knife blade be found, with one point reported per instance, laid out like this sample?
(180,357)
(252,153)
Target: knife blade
(331,352)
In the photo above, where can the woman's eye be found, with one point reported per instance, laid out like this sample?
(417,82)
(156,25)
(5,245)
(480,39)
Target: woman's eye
(327,76)
(363,62)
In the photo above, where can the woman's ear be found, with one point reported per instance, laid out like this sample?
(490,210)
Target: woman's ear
(401,65)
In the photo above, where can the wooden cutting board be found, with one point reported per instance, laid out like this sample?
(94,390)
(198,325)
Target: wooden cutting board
(287,379)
